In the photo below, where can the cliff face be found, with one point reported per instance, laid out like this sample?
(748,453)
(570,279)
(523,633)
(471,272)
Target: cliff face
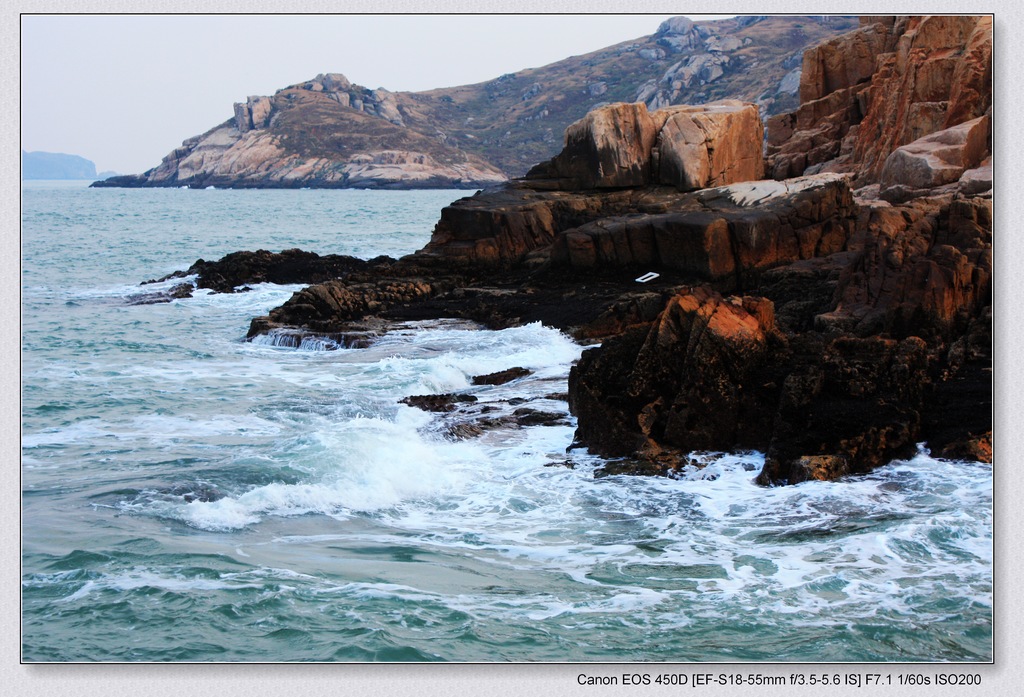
(833,358)
(327,132)
(904,85)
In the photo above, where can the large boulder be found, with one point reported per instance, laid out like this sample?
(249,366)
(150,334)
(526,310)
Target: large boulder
(710,145)
(610,147)
(688,147)
(937,159)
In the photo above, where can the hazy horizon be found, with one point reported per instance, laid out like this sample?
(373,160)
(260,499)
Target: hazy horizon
(123,91)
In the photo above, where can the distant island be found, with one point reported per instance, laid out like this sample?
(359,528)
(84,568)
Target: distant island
(56,165)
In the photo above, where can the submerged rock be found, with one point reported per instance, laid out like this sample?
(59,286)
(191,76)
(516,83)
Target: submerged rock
(501,377)
(438,402)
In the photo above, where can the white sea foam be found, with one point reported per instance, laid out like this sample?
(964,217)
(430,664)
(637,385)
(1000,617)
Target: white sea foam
(147,579)
(369,464)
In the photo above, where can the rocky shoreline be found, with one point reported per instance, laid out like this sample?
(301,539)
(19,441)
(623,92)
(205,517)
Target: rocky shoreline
(833,317)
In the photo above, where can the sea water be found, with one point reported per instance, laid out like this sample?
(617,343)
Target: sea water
(190,496)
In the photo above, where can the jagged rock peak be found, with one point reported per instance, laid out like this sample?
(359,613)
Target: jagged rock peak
(333,82)
(675,26)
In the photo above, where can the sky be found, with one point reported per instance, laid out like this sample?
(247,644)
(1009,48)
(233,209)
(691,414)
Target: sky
(125,90)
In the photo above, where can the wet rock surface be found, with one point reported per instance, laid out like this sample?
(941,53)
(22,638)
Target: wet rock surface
(239,269)
(438,402)
(501,377)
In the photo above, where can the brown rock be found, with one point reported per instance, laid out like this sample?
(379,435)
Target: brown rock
(711,145)
(726,234)
(921,269)
(842,62)
(689,147)
(926,74)
(501,377)
(610,147)
(931,63)
(682,385)
(939,158)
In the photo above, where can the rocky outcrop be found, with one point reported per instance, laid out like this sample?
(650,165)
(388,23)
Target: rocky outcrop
(612,165)
(920,269)
(332,307)
(504,226)
(938,76)
(726,235)
(829,327)
(286,267)
(832,365)
(684,384)
(868,93)
(841,63)
(292,139)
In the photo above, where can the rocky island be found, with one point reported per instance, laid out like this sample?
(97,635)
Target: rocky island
(834,315)
(327,132)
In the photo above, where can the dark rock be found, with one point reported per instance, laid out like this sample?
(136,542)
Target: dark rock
(501,377)
(176,292)
(289,266)
(196,492)
(332,306)
(689,382)
(438,402)
(972,449)
(855,409)
(533,417)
